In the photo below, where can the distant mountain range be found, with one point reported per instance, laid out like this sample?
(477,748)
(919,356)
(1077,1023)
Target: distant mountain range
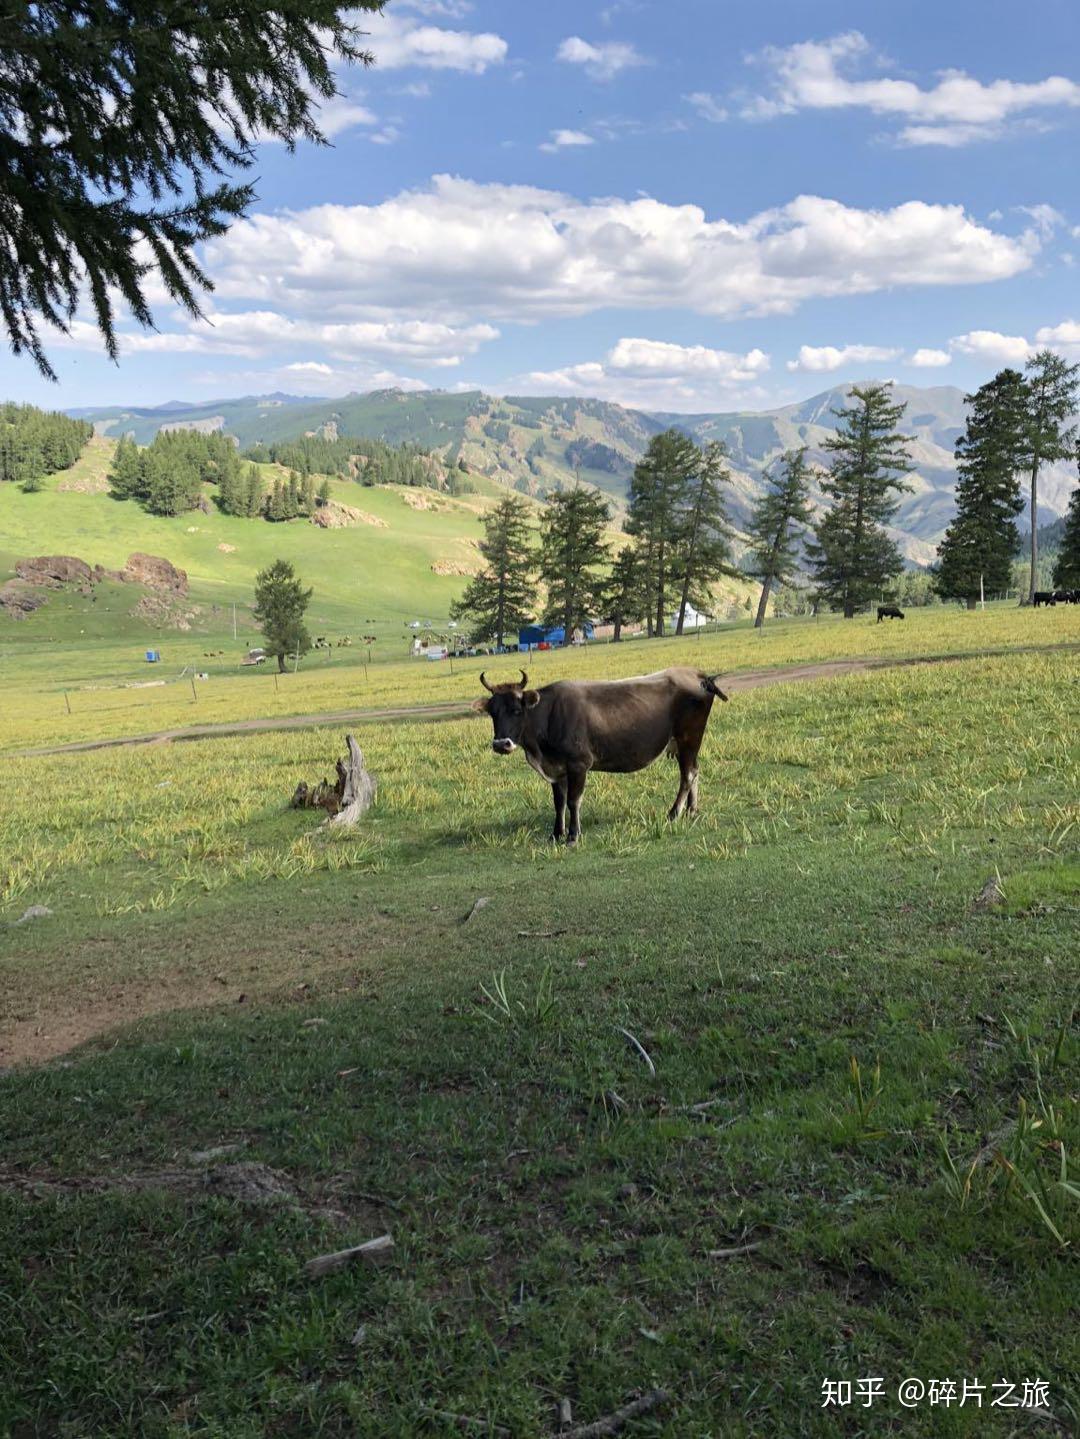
(531,444)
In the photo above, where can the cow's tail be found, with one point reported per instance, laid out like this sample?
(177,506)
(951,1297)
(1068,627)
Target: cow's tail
(709,685)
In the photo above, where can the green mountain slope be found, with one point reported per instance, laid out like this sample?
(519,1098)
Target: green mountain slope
(403,557)
(531,444)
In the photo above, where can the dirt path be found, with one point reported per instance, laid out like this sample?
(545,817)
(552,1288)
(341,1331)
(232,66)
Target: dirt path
(458,709)
(449,709)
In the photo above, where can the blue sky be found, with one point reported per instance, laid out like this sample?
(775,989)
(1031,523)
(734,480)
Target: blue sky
(677,204)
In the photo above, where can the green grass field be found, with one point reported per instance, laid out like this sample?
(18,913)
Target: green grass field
(859,1070)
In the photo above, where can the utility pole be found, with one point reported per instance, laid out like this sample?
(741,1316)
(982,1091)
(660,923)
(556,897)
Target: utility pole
(234,621)
(982,594)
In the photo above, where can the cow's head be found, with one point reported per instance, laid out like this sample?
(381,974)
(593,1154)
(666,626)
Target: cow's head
(507,705)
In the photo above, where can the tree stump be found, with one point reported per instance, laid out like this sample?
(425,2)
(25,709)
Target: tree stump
(348,799)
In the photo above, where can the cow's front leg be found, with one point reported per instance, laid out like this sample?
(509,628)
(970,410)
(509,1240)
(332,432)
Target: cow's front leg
(687,784)
(558,794)
(575,788)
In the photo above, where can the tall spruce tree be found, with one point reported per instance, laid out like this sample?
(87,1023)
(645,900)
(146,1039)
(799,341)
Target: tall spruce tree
(1067,565)
(275,504)
(703,542)
(254,493)
(976,554)
(625,596)
(852,556)
(503,596)
(280,605)
(658,490)
(778,522)
(572,547)
(1052,386)
(120,122)
(126,473)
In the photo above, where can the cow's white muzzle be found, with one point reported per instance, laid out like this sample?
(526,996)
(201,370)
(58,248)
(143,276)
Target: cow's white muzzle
(503,746)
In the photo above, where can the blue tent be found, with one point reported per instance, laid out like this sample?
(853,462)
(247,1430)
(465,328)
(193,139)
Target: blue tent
(533,635)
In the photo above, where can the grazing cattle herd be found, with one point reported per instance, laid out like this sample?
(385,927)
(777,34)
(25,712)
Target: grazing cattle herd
(1056,597)
(571,727)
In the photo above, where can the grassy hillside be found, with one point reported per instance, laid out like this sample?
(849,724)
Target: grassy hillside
(407,558)
(379,570)
(532,443)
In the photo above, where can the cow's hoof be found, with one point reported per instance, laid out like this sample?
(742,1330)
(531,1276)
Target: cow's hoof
(558,837)
(572,839)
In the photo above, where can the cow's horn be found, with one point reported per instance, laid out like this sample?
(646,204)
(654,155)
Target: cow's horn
(524,679)
(483,681)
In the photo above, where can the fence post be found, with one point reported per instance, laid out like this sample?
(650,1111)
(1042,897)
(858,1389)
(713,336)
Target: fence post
(194,692)
(67,701)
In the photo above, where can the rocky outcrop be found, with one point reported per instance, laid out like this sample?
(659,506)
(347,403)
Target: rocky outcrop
(456,567)
(55,571)
(336,516)
(163,612)
(18,599)
(155,573)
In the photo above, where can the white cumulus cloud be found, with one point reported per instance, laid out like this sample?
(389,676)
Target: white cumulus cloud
(956,110)
(708,107)
(818,359)
(461,251)
(655,374)
(398,43)
(601,61)
(991,345)
(561,139)
(930,359)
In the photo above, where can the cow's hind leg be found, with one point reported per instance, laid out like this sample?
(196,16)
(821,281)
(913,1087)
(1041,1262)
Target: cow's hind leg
(575,788)
(558,794)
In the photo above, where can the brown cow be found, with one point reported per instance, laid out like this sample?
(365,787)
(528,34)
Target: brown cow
(570,727)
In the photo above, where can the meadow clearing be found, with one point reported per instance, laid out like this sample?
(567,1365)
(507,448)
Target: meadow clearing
(73,691)
(860,1069)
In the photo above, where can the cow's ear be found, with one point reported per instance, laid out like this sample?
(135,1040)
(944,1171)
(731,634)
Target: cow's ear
(529,698)
(480,706)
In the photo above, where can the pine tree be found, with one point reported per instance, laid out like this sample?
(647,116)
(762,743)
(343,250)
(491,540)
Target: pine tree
(777,523)
(275,507)
(280,605)
(572,546)
(292,496)
(35,443)
(119,123)
(254,494)
(307,495)
(324,493)
(625,598)
(1052,386)
(230,495)
(503,596)
(126,480)
(658,491)
(852,556)
(976,554)
(703,538)
(1067,568)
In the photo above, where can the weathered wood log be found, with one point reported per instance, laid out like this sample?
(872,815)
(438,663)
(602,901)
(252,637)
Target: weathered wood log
(351,796)
(358,786)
